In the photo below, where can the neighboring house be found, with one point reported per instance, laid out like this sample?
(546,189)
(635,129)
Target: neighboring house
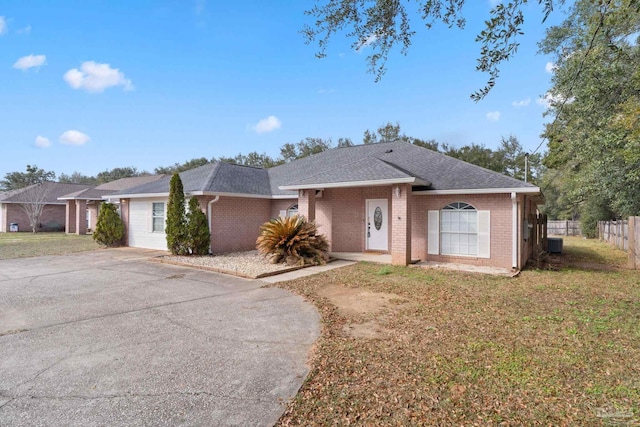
(13,203)
(82,206)
(394,197)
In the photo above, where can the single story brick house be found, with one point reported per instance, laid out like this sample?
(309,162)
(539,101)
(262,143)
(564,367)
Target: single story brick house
(82,206)
(397,198)
(47,193)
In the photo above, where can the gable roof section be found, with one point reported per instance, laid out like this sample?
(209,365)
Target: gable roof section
(53,191)
(108,188)
(441,172)
(367,171)
(212,178)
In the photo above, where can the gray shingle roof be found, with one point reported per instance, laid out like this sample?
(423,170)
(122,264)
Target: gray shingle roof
(442,171)
(214,178)
(385,161)
(106,189)
(52,191)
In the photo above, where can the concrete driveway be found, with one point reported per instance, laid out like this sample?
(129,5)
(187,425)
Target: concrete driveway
(108,338)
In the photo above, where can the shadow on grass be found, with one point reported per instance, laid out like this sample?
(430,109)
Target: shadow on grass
(588,254)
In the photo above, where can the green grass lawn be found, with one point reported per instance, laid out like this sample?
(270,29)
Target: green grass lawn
(551,347)
(20,245)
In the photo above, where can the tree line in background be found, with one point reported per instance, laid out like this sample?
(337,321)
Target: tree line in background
(508,158)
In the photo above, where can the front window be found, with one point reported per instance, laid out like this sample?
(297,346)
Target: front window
(293,210)
(158,217)
(459,229)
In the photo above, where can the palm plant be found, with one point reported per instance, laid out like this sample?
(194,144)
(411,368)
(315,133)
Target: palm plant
(293,240)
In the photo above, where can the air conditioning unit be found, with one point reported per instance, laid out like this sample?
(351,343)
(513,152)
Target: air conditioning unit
(554,245)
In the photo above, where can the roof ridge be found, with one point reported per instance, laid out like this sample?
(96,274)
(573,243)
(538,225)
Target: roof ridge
(212,176)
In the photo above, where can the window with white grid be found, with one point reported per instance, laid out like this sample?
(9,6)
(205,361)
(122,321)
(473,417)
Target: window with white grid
(459,229)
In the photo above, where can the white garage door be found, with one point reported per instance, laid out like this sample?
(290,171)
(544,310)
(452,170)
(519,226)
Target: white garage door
(143,214)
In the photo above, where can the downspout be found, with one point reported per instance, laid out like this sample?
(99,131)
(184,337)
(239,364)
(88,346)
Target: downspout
(211,202)
(514,230)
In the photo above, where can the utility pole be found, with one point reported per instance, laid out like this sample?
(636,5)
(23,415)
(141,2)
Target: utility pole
(526,167)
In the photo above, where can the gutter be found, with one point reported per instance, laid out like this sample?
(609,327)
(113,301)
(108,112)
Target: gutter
(211,202)
(514,230)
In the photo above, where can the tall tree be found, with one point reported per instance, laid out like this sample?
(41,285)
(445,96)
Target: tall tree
(176,224)
(380,25)
(199,238)
(254,159)
(304,148)
(77,178)
(594,100)
(33,175)
(181,167)
(118,173)
(33,201)
(109,227)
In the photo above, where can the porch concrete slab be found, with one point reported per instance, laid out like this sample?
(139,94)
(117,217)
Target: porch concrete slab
(305,272)
(379,258)
(496,271)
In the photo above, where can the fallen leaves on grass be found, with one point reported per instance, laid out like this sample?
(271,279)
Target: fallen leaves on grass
(547,348)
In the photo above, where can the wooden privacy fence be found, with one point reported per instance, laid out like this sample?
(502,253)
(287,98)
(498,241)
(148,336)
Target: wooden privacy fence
(615,232)
(625,235)
(564,228)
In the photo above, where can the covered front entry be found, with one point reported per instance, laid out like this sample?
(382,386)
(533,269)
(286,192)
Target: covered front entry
(377,225)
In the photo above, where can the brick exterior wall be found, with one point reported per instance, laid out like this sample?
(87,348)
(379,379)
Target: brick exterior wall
(500,207)
(236,221)
(341,215)
(52,218)
(401,231)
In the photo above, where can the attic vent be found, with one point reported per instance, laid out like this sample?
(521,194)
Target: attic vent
(389,151)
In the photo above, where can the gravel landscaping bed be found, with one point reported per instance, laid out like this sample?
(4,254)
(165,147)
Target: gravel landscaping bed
(246,264)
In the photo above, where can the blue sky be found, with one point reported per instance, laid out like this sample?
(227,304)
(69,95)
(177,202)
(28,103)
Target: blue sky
(92,85)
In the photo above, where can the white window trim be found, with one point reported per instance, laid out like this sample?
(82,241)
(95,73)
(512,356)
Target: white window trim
(164,217)
(483,235)
(468,233)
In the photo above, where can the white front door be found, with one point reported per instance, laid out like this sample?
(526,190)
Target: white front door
(377,225)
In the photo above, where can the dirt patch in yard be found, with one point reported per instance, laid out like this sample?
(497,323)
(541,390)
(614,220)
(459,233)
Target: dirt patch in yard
(357,304)
(356,301)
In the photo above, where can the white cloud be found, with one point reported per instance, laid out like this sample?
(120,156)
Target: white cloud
(30,61)
(42,142)
(95,78)
(74,137)
(3,25)
(493,116)
(367,42)
(521,103)
(326,91)
(549,99)
(26,30)
(269,124)
(550,67)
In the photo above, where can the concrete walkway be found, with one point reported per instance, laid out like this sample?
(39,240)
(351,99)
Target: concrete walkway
(304,272)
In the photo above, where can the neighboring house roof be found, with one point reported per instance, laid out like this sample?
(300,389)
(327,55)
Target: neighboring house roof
(51,192)
(361,165)
(108,188)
